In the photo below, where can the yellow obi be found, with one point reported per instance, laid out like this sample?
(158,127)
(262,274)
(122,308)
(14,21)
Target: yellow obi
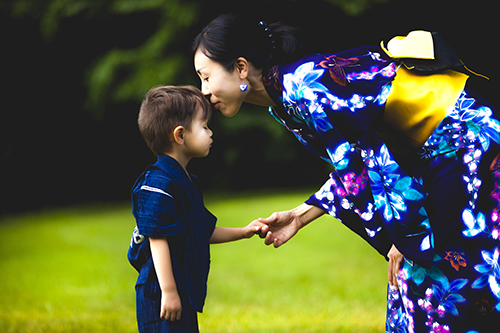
(417,104)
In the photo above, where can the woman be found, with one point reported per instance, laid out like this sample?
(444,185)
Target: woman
(416,158)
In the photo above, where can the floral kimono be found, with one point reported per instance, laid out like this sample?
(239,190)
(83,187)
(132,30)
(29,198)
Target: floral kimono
(440,210)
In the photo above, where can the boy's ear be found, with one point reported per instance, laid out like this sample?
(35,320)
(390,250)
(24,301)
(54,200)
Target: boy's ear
(241,65)
(179,135)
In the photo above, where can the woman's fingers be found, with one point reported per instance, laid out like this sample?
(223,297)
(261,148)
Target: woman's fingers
(395,260)
(269,238)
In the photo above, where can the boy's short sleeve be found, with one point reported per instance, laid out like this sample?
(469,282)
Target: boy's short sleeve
(155,206)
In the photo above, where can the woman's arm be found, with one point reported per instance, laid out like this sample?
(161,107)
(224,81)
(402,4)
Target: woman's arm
(223,235)
(284,225)
(171,306)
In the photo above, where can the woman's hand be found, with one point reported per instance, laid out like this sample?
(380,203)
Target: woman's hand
(171,307)
(281,227)
(395,261)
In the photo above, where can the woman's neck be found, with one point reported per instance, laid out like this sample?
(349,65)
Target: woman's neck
(258,94)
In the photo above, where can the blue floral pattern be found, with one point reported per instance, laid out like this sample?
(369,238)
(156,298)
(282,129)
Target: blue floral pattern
(490,274)
(390,189)
(309,99)
(333,105)
(467,131)
(473,130)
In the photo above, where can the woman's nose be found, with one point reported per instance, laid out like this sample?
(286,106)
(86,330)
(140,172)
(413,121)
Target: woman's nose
(204,88)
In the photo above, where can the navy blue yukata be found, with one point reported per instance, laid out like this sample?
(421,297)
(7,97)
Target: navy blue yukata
(167,203)
(440,205)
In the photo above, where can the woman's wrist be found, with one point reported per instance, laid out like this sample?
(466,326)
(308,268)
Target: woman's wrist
(307,213)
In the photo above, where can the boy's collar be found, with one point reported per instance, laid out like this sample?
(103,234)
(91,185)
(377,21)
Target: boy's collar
(165,161)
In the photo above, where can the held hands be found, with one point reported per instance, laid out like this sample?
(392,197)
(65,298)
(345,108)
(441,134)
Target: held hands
(254,228)
(280,227)
(171,307)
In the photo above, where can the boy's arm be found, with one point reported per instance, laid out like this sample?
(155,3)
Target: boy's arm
(171,306)
(223,235)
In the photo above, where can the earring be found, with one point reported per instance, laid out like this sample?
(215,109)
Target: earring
(243,87)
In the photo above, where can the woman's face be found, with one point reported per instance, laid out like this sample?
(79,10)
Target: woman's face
(222,86)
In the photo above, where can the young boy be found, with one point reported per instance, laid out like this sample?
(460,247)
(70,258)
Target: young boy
(170,245)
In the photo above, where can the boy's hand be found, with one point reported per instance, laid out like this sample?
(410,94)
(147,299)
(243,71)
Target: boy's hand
(252,229)
(171,307)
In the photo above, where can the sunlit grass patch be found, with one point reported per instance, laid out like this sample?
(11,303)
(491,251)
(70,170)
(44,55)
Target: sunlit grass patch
(66,271)
(326,279)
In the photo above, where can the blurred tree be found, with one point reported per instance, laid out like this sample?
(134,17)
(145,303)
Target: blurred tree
(124,74)
(75,72)
(88,64)
(355,7)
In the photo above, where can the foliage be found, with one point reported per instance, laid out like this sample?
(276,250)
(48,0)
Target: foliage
(125,74)
(148,64)
(76,70)
(355,7)
(66,271)
(89,63)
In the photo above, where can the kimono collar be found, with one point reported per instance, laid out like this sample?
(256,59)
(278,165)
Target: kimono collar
(273,84)
(166,162)
(169,164)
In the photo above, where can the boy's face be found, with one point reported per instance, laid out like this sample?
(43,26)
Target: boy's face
(198,139)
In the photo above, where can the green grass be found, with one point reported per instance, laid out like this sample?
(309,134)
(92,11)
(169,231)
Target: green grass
(66,271)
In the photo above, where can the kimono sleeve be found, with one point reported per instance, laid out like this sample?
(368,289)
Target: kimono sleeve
(334,199)
(156,207)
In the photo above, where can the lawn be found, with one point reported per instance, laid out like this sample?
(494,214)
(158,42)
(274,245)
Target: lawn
(66,271)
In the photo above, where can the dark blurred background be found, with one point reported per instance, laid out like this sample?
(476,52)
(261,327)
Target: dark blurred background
(74,72)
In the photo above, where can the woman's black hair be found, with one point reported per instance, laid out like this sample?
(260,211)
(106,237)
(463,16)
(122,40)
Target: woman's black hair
(231,36)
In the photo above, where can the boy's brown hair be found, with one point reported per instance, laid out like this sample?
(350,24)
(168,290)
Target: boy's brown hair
(166,107)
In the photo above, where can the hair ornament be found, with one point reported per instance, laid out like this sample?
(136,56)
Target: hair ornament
(269,33)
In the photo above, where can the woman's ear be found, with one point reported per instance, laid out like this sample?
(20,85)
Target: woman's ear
(179,135)
(241,66)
